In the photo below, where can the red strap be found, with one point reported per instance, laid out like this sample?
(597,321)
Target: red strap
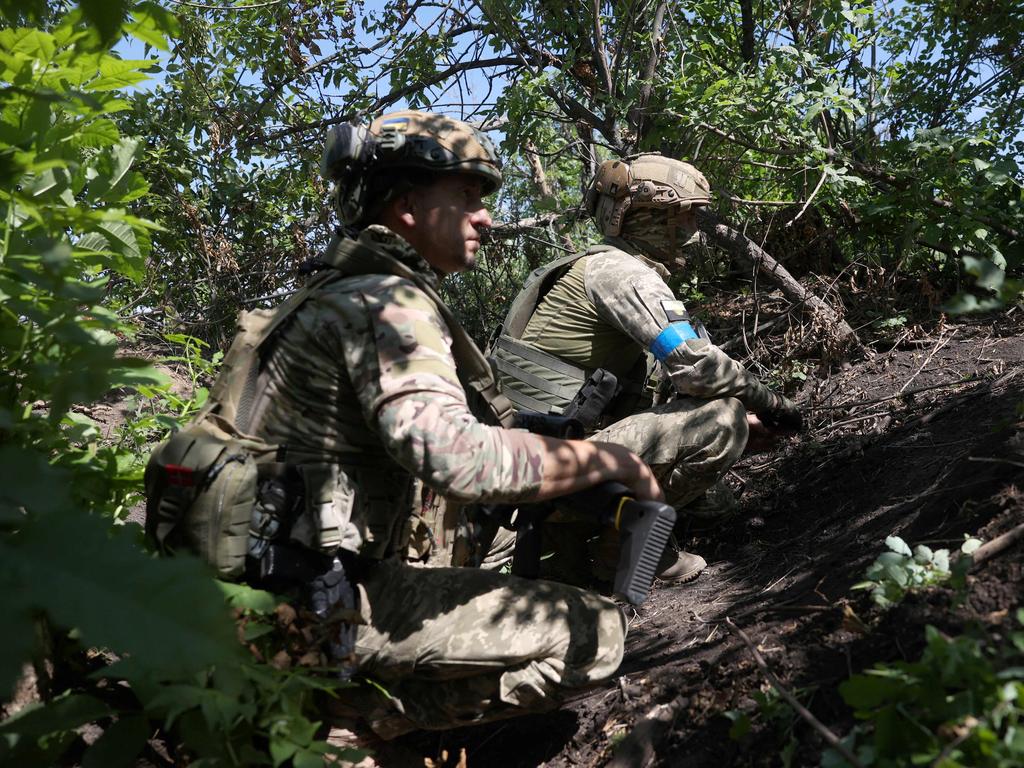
(178,475)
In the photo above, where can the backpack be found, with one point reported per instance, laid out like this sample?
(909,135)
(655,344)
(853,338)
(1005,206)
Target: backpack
(202,482)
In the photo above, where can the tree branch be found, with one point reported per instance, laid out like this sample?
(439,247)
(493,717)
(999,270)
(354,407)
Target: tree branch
(392,97)
(832,740)
(864,170)
(600,54)
(636,115)
(748,251)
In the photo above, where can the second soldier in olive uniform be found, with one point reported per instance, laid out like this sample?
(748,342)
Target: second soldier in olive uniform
(605,308)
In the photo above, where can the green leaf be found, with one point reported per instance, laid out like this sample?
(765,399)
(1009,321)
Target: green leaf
(105,15)
(131,372)
(64,713)
(970,546)
(97,133)
(32,43)
(153,24)
(247,598)
(988,274)
(169,616)
(865,692)
(898,545)
(33,483)
(740,724)
(16,641)
(119,745)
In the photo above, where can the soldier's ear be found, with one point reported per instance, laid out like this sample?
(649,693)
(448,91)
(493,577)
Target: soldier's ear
(405,208)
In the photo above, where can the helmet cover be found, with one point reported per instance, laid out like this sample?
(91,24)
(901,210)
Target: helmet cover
(648,181)
(355,155)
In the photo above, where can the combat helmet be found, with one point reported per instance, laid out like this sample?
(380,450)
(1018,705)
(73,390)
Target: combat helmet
(648,181)
(365,163)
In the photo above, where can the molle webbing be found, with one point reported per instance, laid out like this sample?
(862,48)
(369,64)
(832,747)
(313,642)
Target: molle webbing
(350,257)
(508,351)
(236,389)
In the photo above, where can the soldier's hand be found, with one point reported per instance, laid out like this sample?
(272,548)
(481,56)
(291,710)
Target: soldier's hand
(759,437)
(783,417)
(575,465)
(631,470)
(762,437)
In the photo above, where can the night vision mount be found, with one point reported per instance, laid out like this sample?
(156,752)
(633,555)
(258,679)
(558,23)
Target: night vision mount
(349,153)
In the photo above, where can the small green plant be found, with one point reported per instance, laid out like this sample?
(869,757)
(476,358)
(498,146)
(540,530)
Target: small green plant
(959,705)
(894,323)
(772,712)
(900,570)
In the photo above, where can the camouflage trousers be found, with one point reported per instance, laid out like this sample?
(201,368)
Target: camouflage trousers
(454,646)
(689,443)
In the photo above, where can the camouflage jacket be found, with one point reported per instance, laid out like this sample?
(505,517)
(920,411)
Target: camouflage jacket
(609,308)
(362,381)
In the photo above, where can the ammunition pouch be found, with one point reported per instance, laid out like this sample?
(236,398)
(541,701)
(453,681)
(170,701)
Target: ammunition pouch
(200,493)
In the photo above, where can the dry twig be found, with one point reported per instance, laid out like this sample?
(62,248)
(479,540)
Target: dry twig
(999,544)
(940,345)
(832,740)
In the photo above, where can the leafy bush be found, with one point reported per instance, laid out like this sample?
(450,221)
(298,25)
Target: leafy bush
(898,571)
(960,704)
(129,643)
(773,712)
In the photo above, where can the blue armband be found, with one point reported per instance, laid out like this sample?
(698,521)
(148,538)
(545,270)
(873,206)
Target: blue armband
(671,337)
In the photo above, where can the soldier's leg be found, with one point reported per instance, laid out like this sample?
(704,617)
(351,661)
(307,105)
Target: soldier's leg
(457,645)
(688,443)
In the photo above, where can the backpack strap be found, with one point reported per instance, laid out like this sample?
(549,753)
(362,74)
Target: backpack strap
(537,284)
(233,394)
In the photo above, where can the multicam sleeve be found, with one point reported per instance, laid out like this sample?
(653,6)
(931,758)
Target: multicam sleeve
(420,410)
(635,299)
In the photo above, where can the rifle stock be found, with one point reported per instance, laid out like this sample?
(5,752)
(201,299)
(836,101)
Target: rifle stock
(644,527)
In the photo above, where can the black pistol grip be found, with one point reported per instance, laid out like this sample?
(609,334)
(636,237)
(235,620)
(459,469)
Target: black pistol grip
(526,557)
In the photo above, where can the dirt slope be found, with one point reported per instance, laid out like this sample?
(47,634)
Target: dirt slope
(926,442)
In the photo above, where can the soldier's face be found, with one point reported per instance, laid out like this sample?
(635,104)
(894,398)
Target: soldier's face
(448,218)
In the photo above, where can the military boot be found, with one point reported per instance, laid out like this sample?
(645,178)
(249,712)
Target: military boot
(677,566)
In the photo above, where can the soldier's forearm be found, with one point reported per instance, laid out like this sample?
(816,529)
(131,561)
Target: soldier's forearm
(575,465)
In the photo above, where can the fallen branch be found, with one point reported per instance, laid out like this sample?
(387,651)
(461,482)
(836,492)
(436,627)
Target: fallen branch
(996,460)
(832,740)
(940,345)
(908,393)
(745,249)
(999,544)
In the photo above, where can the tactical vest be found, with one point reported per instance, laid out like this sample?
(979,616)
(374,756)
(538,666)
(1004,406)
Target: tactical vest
(535,380)
(206,484)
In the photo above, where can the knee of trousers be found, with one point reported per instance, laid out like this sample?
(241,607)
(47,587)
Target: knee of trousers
(592,655)
(727,436)
(610,642)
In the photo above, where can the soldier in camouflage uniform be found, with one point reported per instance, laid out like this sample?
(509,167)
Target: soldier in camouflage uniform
(368,381)
(609,306)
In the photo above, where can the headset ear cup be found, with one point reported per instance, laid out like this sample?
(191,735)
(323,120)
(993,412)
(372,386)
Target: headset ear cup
(590,201)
